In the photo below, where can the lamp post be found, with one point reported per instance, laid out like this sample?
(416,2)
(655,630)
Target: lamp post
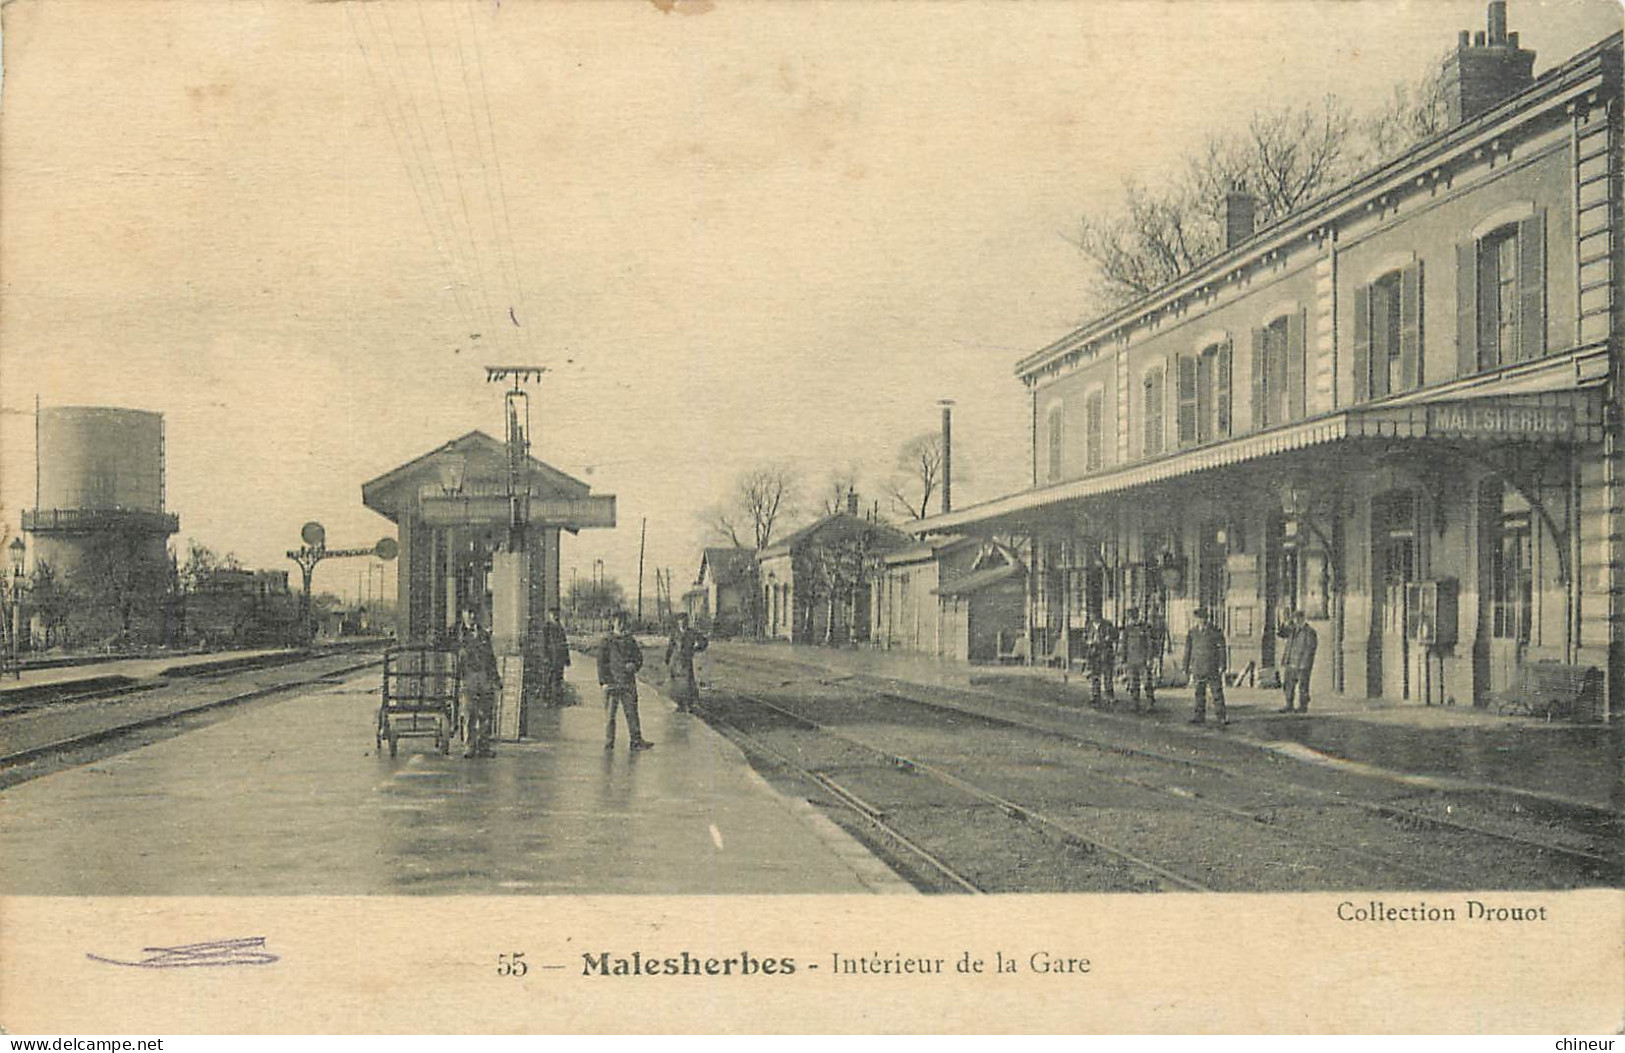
(13,586)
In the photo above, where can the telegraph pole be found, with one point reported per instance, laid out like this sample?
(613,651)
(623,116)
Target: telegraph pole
(643,536)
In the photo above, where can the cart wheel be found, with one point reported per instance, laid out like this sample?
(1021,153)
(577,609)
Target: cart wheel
(393,739)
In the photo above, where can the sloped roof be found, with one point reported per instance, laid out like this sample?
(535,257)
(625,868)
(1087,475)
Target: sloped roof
(800,537)
(981,579)
(374,492)
(930,547)
(726,564)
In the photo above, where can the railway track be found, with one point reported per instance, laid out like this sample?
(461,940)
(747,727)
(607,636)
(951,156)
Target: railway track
(1590,865)
(71,743)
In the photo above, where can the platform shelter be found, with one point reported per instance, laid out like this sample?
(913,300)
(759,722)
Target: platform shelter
(457,515)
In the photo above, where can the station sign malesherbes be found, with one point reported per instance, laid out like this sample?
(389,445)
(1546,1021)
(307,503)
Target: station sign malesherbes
(1500,419)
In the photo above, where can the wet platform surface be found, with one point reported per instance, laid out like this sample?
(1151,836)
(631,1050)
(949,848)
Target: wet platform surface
(291,797)
(1555,760)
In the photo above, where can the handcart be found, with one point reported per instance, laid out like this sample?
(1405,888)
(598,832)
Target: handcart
(421,686)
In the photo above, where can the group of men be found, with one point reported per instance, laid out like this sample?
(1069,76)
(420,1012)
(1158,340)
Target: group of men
(547,654)
(620,656)
(1137,646)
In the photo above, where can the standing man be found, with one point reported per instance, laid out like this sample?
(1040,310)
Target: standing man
(619,659)
(477,663)
(1298,660)
(680,651)
(555,654)
(1101,654)
(1205,660)
(1137,657)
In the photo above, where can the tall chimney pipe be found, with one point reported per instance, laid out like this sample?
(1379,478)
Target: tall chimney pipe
(947,455)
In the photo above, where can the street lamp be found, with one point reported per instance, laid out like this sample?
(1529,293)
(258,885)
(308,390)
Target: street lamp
(12,587)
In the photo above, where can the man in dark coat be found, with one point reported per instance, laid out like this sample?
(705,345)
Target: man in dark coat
(477,664)
(1297,659)
(555,656)
(1138,653)
(619,659)
(680,651)
(1100,652)
(1205,661)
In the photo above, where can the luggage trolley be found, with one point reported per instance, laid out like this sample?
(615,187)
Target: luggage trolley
(421,685)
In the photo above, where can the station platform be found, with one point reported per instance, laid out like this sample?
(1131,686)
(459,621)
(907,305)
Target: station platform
(141,668)
(290,796)
(1452,747)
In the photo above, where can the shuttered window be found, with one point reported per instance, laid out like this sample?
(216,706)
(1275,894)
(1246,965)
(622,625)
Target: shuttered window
(1501,296)
(1093,436)
(1388,334)
(1154,390)
(1056,442)
(1204,395)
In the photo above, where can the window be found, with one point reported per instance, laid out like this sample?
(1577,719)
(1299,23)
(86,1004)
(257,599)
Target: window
(1279,367)
(1056,440)
(1512,579)
(1152,387)
(1093,428)
(1204,395)
(1501,295)
(1388,334)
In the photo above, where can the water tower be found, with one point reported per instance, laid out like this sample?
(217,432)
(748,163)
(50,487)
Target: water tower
(99,497)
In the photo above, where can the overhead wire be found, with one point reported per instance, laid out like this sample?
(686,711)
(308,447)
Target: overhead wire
(505,273)
(416,167)
(432,169)
(456,171)
(502,190)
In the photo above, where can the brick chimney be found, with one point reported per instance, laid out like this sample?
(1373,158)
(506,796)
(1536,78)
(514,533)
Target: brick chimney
(1240,210)
(1491,68)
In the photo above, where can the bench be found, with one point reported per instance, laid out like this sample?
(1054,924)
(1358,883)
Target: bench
(1553,690)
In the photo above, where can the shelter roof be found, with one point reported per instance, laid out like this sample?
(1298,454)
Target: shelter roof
(481,454)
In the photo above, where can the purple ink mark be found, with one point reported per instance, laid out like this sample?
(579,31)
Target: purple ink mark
(248,950)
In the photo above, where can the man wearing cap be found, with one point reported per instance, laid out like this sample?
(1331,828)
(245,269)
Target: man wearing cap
(477,664)
(1297,659)
(555,648)
(1205,660)
(1137,656)
(619,659)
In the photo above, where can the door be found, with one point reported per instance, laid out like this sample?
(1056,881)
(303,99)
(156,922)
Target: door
(1212,556)
(1393,567)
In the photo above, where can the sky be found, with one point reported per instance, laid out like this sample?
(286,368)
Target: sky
(736,233)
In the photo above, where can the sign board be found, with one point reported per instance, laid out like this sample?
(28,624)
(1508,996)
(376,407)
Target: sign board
(508,701)
(572,513)
(1497,419)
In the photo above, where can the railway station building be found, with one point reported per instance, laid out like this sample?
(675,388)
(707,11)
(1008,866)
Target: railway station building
(1397,409)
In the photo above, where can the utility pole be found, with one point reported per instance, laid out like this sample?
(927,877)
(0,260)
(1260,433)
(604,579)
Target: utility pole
(643,536)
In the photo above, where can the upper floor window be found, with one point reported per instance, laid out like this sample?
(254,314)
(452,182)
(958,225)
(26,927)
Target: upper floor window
(1093,431)
(1279,367)
(1388,334)
(1057,440)
(1153,389)
(1204,395)
(1501,295)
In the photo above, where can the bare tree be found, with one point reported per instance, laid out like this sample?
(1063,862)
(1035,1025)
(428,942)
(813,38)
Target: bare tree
(1417,110)
(838,483)
(1285,157)
(918,475)
(762,498)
